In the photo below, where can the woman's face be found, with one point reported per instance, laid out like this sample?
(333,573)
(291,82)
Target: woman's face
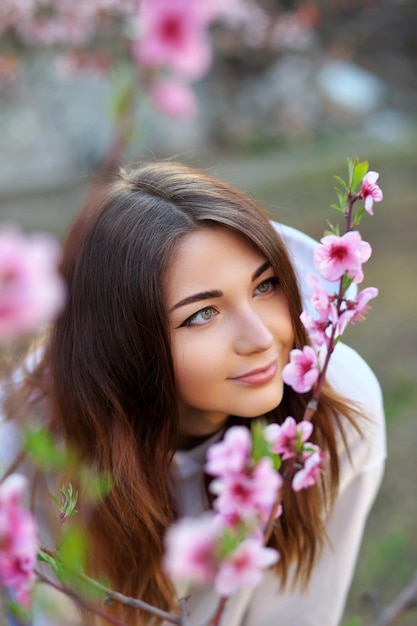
(231,331)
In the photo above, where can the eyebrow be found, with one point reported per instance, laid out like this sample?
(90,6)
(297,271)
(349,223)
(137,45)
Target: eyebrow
(215,293)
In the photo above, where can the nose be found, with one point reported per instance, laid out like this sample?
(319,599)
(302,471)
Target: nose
(252,334)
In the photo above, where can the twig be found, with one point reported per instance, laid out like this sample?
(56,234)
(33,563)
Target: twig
(184,611)
(271,520)
(406,599)
(67,591)
(215,620)
(115,596)
(134,603)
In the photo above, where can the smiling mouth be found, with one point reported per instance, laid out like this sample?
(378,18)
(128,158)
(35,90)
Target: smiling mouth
(259,376)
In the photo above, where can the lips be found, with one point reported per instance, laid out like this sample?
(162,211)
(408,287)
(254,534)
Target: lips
(259,376)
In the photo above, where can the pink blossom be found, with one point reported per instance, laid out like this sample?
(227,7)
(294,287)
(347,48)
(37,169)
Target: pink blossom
(231,455)
(313,465)
(191,548)
(342,254)
(302,371)
(18,540)
(355,309)
(316,329)
(287,438)
(175,98)
(323,305)
(31,291)
(319,299)
(248,495)
(320,332)
(243,568)
(173,35)
(370,192)
(359,306)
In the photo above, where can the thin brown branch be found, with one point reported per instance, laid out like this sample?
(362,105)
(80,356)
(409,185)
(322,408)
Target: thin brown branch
(184,611)
(406,600)
(216,619)
(134,603)
(115,596)
(79,600)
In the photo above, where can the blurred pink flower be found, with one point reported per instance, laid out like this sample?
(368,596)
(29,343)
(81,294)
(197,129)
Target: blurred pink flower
(191,549)
(14,11)
(231,455)
(69,23)
(313,465)
(18,540)
(302,371)
(248,495)
(31,291)
(173,97)
(173,35)
(286,439)
(342,254)
(243,567)
(370,192)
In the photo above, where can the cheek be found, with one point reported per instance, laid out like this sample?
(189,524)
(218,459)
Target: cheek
(195,366)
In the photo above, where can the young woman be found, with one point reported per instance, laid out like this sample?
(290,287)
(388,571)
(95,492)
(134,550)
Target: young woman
(183,307)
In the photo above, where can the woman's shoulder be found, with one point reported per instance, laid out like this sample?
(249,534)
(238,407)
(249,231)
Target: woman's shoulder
(351,377)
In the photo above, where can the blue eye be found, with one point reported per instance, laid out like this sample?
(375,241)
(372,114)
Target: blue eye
(201,317)
(266,286)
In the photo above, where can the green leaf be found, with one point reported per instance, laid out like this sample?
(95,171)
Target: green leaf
(260,446)
(43,557)
(360,171)
(17,611)
(334,229)
(341,182)
(42,448)
(230,541)
(336,207)
(124,94)
(69,501)
(341,197)
(358,217)
(72,549)
(95,487)
(355,621)
(55,500)
(346,282)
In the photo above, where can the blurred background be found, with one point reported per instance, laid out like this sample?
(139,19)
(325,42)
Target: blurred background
(280,93)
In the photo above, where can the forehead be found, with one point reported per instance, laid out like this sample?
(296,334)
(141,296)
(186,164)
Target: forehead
(208,258)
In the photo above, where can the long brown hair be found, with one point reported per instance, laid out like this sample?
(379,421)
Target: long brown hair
(108,372)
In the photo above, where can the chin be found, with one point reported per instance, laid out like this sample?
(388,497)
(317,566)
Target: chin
(256,409)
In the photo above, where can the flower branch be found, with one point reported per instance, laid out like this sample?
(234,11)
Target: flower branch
(52,558)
